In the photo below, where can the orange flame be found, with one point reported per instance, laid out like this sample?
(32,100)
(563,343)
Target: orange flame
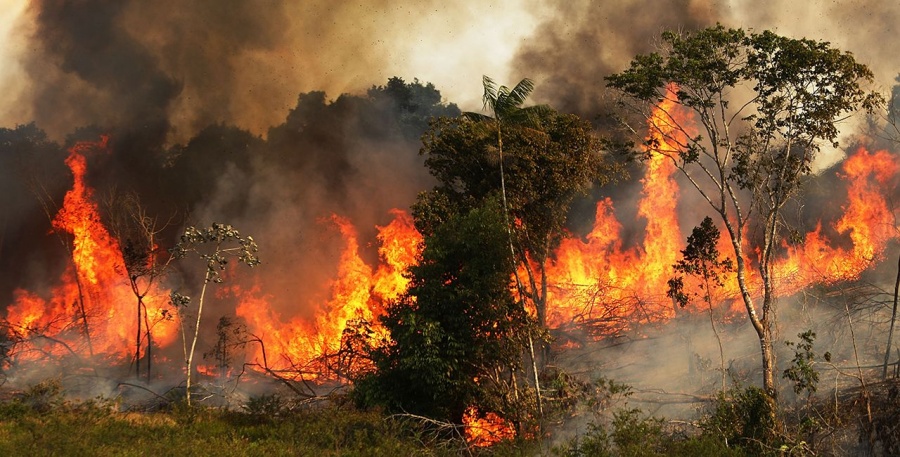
(94,287)
(357,292)
(597,271)
(486,430)
(867,221)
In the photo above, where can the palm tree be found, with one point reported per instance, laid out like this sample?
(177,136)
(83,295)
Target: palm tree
(506,106)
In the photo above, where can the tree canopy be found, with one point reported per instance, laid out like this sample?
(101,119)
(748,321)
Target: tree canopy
(548,163)
(456,327)
(761,105)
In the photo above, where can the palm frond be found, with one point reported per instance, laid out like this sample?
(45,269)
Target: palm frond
(505,103)
(476,117)
(530,116)
(521,92)
(490,93)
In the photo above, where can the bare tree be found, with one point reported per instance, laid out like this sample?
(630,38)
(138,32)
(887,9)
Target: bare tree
(145,262)
(214,245)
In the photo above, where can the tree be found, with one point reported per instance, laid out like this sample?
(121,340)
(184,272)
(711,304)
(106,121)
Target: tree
(214,245)
(411,104)
(137,234)
(701,260)
(763,104)
(537,166)
(893,134)
(456,335)
(506,106)
(543,160)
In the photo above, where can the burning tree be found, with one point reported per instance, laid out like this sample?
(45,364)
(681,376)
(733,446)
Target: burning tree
(540,163)
(145,263)
(214,245)
(764,104)
(456,336)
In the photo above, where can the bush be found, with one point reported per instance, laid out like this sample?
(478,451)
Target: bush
(743,418)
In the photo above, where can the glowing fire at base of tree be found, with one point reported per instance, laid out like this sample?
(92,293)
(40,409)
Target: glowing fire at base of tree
(487,429)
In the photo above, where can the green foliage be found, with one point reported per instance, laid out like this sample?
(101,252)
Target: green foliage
(701,259)
(93,429)
(456,327)
(743,418)
(631,433)
(266,406)
(802,371)
(594,443)
(219,237)
(635,434)
(546,166)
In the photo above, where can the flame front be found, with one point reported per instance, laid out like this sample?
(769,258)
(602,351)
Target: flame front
(357,292)
(597,281)
(867,221)
(593,280)
(487,429)
(93,307)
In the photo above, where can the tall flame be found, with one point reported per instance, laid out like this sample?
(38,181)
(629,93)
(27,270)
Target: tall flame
(595,280)
(358,292)
(92,305)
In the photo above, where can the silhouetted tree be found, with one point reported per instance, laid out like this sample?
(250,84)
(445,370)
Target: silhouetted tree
(457,333)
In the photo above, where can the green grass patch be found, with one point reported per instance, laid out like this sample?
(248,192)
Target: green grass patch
(97,430)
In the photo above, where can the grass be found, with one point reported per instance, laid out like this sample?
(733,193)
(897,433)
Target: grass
(96,430)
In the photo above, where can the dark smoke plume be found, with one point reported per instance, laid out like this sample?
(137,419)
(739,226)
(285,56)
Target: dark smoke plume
(582,42)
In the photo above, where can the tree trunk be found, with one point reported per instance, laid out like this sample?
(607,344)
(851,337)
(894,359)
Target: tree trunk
(149,353)
(887,350)
(190,358)
(768,362)
(760,325)
(137,343)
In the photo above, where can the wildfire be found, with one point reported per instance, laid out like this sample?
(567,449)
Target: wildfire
(598,282)
(488,429)
(592,280)
(357,292)
(867,221)
(92,307)
(596,279)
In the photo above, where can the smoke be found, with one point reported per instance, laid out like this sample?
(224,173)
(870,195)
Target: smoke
(178,67)
(581,42)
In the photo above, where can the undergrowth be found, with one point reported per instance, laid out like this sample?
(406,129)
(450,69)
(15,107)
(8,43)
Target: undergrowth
(41,423)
